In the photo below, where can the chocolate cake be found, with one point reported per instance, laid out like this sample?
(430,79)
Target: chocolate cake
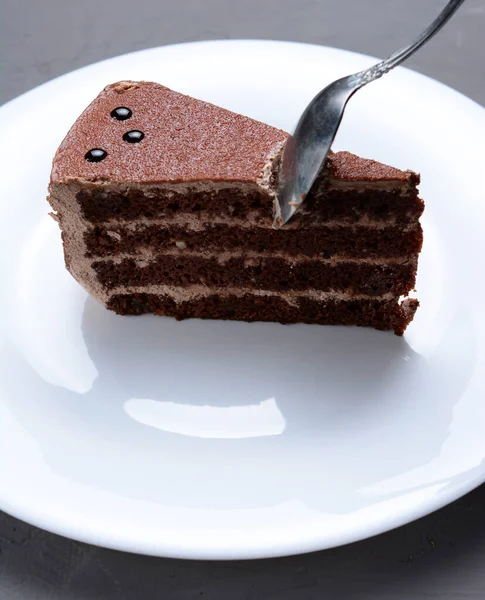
(167,205)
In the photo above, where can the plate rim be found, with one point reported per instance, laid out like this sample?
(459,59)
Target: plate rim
(235,41)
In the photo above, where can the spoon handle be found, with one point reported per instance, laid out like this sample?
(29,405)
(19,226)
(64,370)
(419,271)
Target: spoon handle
(398,57)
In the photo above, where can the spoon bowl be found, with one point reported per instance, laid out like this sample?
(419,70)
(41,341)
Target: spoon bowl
(305,153)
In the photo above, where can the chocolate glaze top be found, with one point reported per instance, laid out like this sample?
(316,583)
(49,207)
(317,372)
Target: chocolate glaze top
(345,166)
(185,140)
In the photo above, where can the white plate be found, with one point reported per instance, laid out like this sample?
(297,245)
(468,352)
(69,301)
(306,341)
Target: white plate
(233,440)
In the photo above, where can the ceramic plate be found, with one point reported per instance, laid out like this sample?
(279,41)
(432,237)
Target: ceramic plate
(205,439)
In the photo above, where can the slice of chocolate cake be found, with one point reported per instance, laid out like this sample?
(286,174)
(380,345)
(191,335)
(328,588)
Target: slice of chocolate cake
(166,205)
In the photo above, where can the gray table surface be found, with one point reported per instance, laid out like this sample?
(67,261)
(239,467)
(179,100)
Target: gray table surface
(440,556)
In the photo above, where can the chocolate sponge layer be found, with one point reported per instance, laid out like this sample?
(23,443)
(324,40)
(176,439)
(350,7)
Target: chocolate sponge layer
(355,242)
(98,205)
(383,315)
(275,274)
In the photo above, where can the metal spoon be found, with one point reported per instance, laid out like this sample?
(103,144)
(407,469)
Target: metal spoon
(305,153)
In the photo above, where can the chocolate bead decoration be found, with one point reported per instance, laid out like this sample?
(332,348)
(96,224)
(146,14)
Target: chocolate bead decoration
(96,155)
(134,136)
(121,113)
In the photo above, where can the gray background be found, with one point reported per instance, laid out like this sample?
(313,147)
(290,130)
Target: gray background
(440,556)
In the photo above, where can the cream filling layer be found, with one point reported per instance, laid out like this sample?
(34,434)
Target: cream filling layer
(192,222)
(194,292)
(264,183)
(251,258)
